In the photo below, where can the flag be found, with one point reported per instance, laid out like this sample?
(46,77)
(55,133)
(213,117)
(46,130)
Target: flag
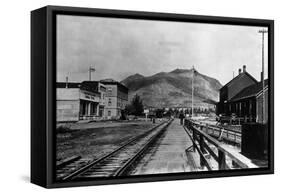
(92,69)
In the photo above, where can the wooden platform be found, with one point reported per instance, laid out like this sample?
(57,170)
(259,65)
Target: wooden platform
(169,155)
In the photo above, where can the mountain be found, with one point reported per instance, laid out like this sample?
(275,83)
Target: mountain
(173,89)
(132,78)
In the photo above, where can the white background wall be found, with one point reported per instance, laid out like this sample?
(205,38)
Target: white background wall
(15,95)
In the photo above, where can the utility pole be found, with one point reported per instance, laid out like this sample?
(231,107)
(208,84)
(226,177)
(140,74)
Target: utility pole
(263,31)
(91,69)
(192,92)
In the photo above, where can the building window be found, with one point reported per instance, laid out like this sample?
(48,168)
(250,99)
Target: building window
(240,108)
(109,102)
(250,107)
(109,113)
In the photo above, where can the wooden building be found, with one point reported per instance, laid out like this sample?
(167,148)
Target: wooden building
(242,97)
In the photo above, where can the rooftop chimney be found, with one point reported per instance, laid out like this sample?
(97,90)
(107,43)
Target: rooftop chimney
(244,68)
(239,71)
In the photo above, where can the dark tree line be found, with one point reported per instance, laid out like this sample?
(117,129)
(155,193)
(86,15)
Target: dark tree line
(136,106)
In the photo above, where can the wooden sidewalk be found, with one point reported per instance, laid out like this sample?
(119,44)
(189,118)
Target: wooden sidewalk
(169,155)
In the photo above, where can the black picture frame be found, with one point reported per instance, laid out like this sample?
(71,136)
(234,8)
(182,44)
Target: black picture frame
(43,95)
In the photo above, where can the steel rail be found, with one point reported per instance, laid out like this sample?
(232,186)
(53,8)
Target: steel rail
(128,164)
(86,167)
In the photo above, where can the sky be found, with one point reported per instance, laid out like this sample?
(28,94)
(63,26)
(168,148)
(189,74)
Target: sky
(118,48)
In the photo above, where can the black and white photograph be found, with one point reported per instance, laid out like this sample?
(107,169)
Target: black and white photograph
(149,97)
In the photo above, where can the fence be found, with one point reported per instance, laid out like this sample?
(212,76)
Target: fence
(221,133)
(201,143)
(236,120)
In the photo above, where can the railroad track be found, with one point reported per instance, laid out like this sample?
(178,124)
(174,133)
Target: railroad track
(119,161)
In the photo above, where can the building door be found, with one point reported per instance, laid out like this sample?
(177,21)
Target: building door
(83,108)
(93,109)
(101,111)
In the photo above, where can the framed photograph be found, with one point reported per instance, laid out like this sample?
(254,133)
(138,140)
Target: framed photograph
(126,96)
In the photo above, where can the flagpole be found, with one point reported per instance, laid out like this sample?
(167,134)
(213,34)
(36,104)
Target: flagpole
(192,92)
(90,71)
